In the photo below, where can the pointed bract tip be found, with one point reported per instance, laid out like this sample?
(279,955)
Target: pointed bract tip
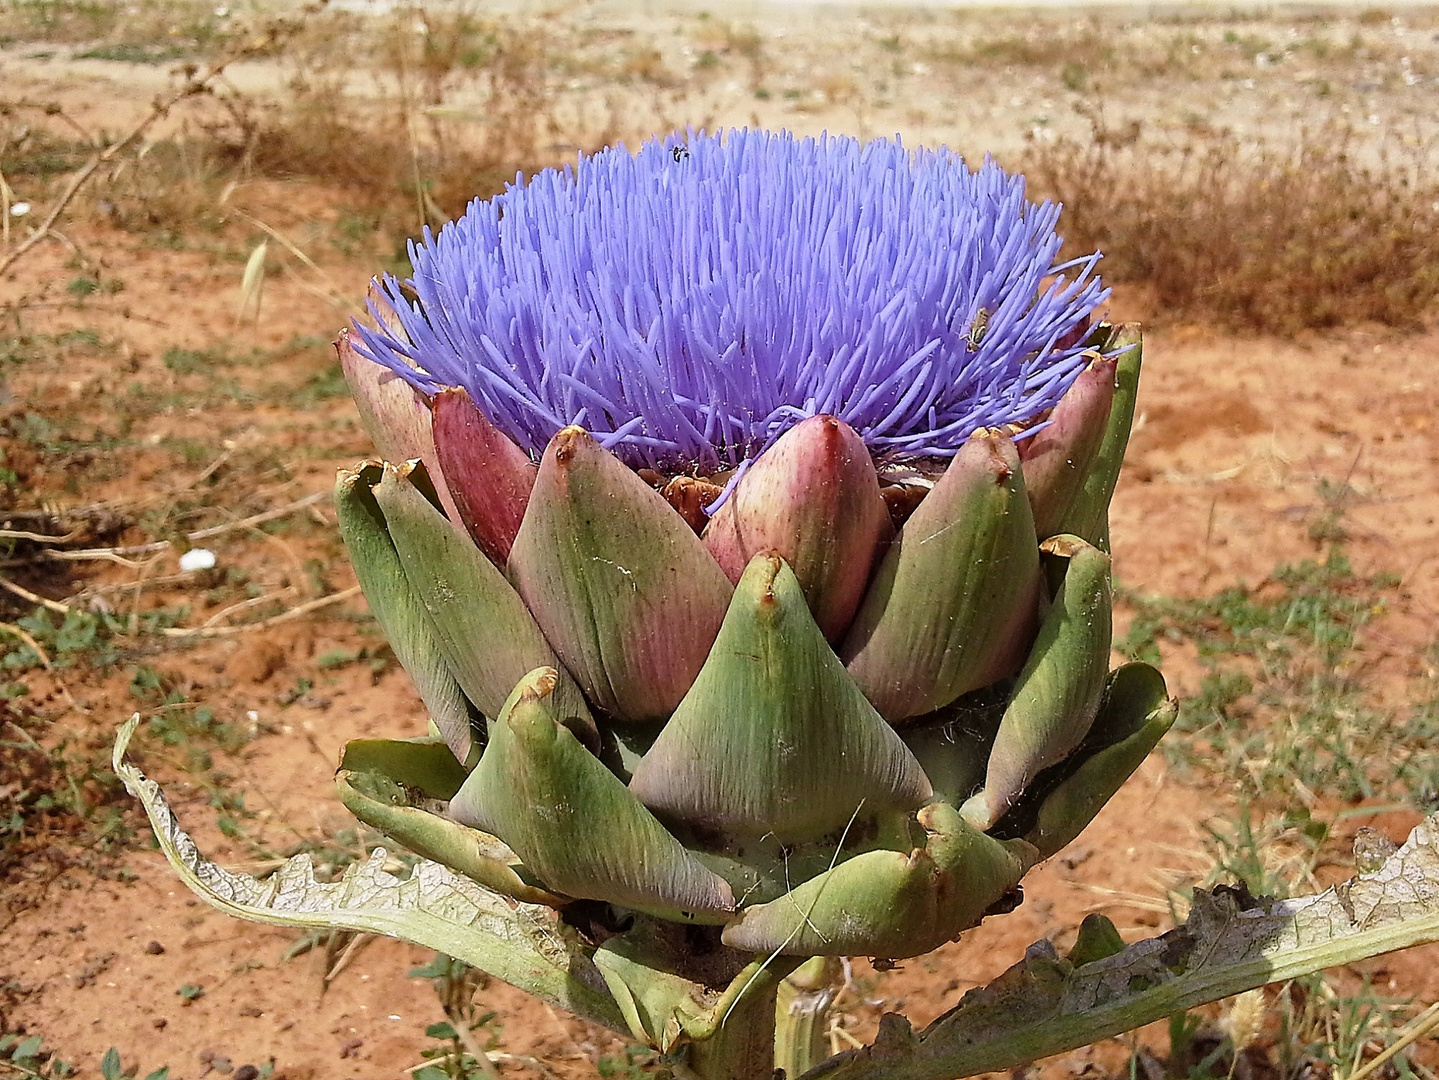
(997,441)
(538,684)
(568,441)
(352,476)
(1064,545)
(764,569)
(771,561)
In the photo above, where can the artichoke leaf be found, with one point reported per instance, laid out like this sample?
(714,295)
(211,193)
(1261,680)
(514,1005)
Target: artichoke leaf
(888,903)
(1058,693)
(573,823)
(954,603)
(489,477)
(814,499)
(526,945)
(381,781)
(487,636)
(1088,512)
(774,737)
(623,589)
(397,607)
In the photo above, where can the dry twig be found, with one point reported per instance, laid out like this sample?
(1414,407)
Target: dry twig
(274,620)
(34,598)
(196,82)
(122,554)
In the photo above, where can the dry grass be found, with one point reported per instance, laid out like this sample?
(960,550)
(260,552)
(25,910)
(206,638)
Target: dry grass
(1254,239)
(407,117)
(425,110)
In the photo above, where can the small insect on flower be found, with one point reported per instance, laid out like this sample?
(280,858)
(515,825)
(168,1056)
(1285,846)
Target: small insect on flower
(977,330)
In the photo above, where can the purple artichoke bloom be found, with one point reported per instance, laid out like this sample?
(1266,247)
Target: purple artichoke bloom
(691,303)
(840,709)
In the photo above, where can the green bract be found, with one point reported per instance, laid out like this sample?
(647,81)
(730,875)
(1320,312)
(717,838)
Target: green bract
(843,715)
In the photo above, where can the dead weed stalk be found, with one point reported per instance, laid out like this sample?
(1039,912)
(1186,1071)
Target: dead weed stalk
(197,80)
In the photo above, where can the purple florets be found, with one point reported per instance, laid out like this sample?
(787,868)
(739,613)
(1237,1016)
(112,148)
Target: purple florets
(689,303)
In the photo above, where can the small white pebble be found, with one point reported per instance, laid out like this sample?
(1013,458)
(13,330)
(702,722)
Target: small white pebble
(252,716)
(197,559)
(19,209)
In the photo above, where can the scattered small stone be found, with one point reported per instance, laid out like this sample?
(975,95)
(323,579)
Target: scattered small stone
(155,948)
(159,1023)
(247,1072)
(251,1010)
(223,1065)
(349,1047)
(256,660)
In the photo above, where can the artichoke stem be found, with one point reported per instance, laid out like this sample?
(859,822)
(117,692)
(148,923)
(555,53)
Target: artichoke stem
(741,1045)
(802,1017)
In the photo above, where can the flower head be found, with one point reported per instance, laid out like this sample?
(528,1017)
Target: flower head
(743,704)
(690,303)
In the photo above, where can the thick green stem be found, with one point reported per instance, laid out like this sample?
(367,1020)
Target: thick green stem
(802,1017)
(740,1046)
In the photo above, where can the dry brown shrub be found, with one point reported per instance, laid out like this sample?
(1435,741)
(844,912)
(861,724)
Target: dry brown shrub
(428,107)
(1268,240)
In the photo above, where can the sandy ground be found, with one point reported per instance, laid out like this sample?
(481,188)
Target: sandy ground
(1234,438)
(980,81)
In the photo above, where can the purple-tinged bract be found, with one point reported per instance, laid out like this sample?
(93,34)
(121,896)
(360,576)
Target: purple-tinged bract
(690,303)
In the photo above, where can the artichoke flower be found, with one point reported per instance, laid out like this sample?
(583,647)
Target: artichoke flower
(742,523)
